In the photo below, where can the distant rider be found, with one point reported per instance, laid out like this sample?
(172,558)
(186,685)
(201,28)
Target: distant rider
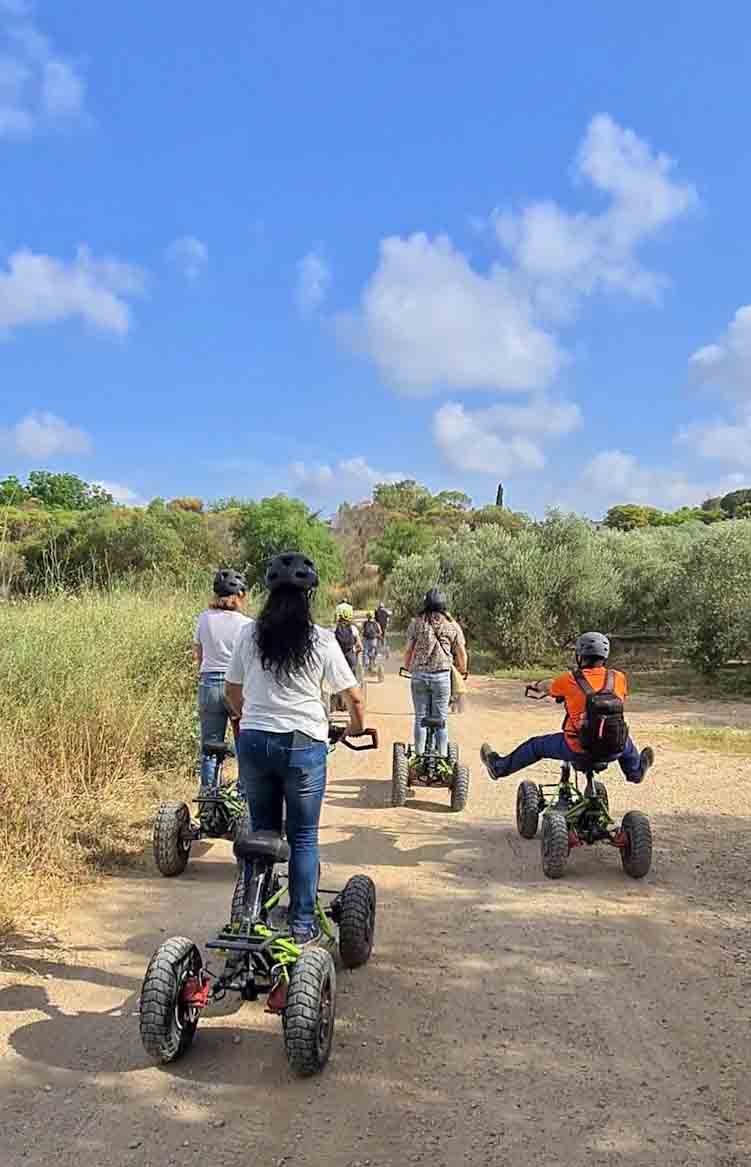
(383,616)
(434,643)
(280,663)
(581,744)
(216,631)
(347,634)
(372,635)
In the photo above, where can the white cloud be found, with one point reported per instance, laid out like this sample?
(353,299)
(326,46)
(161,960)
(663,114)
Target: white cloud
(431,321)
(313,282)
(726,441)
(120,493)
(38,86)
(616,477)
(726,365)
(42,434)
(565,255)
(189,255)
(468,442)
(349,473)
(37,289)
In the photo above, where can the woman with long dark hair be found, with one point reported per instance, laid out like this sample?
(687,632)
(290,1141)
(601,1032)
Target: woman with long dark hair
(274,684)
(435,642)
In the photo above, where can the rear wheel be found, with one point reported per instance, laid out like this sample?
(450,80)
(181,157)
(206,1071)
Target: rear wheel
(399,775)
(460,788)
(527,809)
(357,911)
(636,856)
(167,1026)
(238,899)
(172,839)
(310,1011)
(554,844)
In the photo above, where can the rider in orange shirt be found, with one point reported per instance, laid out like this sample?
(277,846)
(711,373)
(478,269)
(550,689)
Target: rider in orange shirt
(592,652)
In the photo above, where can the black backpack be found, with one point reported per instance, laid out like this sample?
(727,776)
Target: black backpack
(371,630)
(603,731)
(345,637)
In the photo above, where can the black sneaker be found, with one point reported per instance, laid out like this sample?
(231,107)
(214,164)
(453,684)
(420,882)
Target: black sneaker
(493,762)
(646,761)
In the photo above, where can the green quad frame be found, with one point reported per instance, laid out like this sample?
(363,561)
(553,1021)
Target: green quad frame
(261,958)
(411,769)
(221,812)
(572,818)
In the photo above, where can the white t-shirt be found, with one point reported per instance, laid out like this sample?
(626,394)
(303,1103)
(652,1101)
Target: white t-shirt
(217,629)
(294,702)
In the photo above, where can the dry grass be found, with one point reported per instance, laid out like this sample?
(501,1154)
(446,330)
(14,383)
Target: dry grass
(722,740)
(97,723)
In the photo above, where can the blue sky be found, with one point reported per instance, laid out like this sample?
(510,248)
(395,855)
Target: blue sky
(250,248)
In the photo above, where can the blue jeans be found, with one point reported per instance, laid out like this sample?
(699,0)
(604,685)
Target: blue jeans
(214,715)
(431,693)
(555,746)
(370,652)
(276,774)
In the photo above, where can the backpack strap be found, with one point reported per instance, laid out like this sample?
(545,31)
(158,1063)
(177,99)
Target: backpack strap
(609,686)
(582,682)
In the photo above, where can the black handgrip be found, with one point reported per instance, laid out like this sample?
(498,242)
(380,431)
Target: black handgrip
(533,693)
(369,733)
(405,673)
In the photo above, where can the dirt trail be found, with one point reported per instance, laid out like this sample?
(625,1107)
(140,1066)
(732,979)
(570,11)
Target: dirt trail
(504,1019)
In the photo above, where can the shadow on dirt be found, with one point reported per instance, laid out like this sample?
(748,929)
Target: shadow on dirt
(481,995)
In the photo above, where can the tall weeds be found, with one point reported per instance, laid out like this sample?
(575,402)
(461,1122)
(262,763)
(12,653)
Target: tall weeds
(97,722)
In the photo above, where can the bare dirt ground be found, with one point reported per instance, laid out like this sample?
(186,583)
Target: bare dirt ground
(504,1018)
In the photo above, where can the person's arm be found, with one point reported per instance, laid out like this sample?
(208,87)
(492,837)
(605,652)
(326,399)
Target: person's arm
(233,697)
(233,681)
(198,656)
(353,699)
(459,652)
(409,651)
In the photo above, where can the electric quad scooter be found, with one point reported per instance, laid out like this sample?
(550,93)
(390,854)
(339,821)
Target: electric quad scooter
(260,956)
(428,768)
(572,818)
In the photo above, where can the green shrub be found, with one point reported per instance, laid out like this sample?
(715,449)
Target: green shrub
(277,524)
(711,614)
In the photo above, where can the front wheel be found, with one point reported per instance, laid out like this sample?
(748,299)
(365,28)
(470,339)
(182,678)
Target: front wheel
(310,1012)
(399,775)
(554,844)
(357,911)
(527,809)
(168,1027)
(453,754)
(460,788)
(172,838)
(636,856)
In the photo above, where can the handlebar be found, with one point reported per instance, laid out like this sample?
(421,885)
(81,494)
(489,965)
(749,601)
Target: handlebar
(405,673)
(532,694)
(340,734)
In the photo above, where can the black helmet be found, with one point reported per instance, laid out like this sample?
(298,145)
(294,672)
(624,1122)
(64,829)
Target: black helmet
(434,601)
(229,583)
(293,570)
